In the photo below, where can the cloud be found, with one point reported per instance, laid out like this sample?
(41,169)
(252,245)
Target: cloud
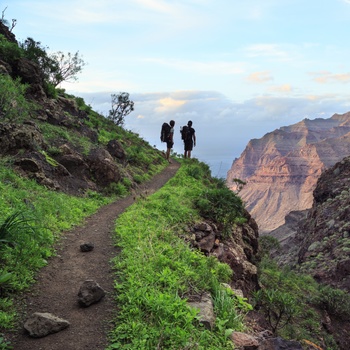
(327,77)
(260,77)
(282,88)
(169,104)
(223,127)
(272,51)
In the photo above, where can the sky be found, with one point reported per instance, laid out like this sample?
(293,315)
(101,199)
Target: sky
(237,69)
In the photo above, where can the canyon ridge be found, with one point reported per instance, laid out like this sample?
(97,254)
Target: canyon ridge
(281,169)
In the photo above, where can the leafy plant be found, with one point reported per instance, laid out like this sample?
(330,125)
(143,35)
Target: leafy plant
(4,345)
(13,226)
(229,310)
(4,278)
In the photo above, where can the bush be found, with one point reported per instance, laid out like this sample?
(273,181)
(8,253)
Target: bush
(220,205)
(279,307)
(13,105)
(9,52)
(335,301)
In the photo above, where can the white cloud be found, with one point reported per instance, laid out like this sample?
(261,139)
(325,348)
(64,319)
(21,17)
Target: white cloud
(328,77)
(259,77)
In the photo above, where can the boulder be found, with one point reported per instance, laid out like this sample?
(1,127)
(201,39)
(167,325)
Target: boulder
(89,293)
(244,340)
(42,324)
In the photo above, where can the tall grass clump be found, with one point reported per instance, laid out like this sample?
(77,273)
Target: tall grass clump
(157,272)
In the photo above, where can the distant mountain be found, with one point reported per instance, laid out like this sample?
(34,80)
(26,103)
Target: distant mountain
(281,168)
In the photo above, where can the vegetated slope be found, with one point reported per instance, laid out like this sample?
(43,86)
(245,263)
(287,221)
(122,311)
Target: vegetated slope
(57,139)
(281,169)
(319,243)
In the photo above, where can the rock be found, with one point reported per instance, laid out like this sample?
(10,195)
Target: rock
(115,148)
(245,340)
(86,247)
(14,137)
(206,244)
(42,324)
(279,344)
(206,314)
(89,293)
(103,167)
(203,226)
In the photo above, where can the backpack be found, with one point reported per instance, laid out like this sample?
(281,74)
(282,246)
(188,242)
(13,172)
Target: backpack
(186,133)
(165,132)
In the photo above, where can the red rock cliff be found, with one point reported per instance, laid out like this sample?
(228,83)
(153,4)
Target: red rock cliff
(281,169)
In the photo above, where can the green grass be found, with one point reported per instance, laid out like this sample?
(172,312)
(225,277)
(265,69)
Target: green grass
(157,271)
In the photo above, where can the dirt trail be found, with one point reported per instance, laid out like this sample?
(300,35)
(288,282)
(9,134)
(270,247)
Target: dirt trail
(58,283)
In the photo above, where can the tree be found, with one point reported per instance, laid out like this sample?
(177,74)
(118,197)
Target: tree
(57,67)
(121,107)
(67,67)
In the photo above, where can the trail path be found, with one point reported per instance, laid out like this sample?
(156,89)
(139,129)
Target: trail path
(58,283)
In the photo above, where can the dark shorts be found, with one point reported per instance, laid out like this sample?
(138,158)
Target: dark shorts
(189,145)
(169,144)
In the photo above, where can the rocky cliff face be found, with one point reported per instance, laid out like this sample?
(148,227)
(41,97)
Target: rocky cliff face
(281,169)
(317,241)
(324,237)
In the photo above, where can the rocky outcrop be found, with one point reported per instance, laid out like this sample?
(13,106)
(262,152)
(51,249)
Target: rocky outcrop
(281,169)
(319,241)
(237,249)
(324,237)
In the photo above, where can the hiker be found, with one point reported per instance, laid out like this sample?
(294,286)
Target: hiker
(189,138)
(170,140)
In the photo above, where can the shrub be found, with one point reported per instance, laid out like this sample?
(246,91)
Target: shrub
(335,301)
(9,51)
(279,307)
(220,205)
(13,105)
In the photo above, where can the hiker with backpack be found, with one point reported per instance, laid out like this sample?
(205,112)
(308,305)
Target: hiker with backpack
(188,135)
(167,135)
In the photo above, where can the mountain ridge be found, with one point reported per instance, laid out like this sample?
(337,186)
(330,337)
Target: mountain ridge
(281,168)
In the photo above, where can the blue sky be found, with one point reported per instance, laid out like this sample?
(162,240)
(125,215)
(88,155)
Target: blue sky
(237,69)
